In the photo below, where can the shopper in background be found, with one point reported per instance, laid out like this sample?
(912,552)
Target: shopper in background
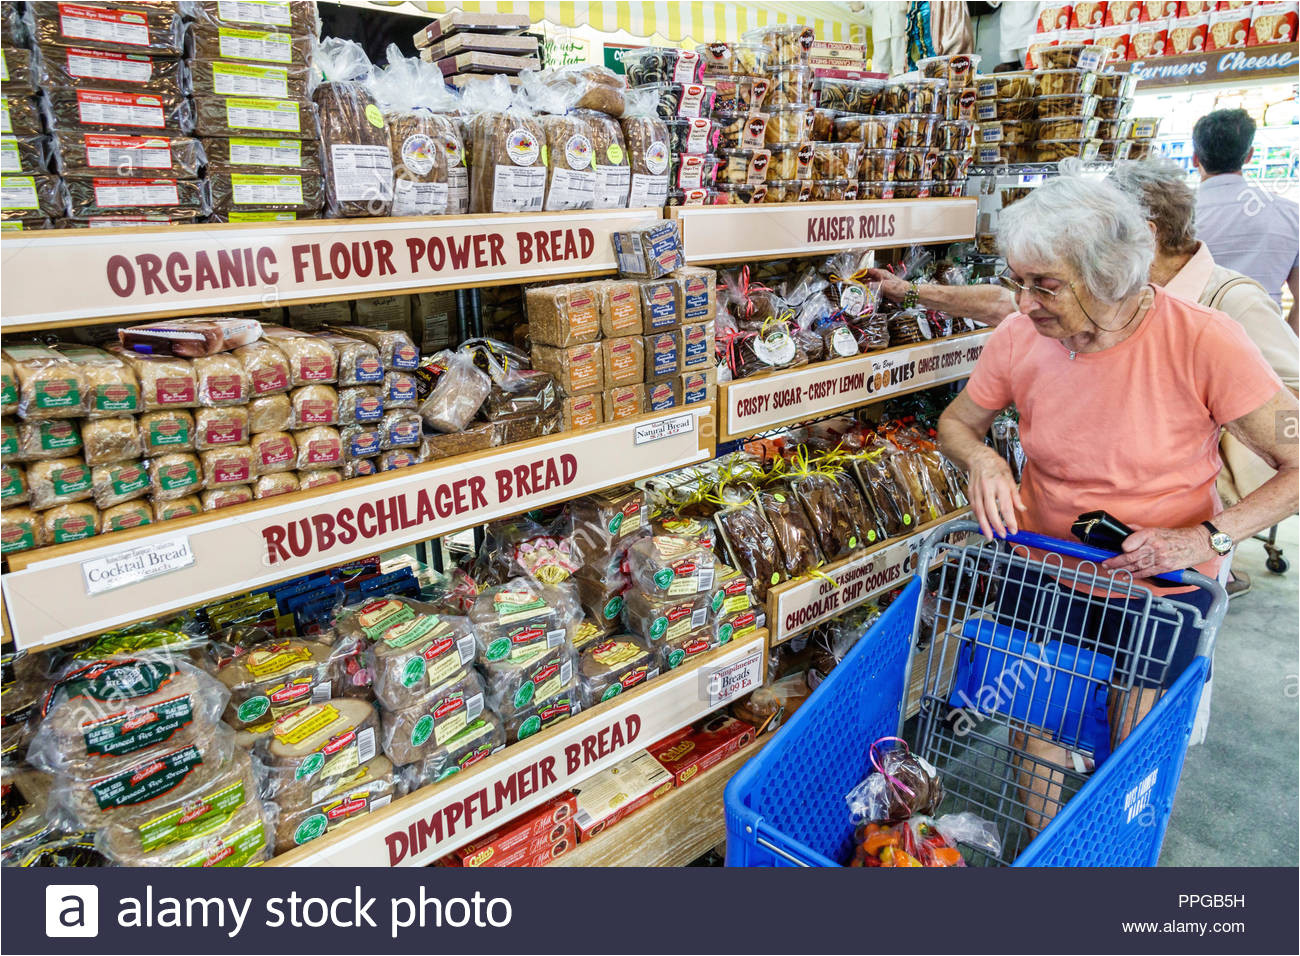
(1122,389)
(1247,228)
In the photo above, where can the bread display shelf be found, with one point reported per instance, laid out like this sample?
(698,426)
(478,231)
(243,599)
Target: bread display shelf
(61,593)
(779,399)
(732,233)
(796,606)
(423,826)
(673,830)
(189,270)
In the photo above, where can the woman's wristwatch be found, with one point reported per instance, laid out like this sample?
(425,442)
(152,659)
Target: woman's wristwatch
(1220,541)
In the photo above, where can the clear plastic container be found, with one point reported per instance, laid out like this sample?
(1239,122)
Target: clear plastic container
(1115,129)
(1140,149)
(1062,82)
(1115,84)
(1113,107)
(686,100)
(988,134)
(836,160)
(891,98)
(788,190)
(1055,150)
(692,197)
(873,132)
(689,171)
(876,189)
(790,86)
(986,111)
(877,165)
(1113,150)
(1018,84)
(743,194)
(790,161)
(1074,104)
(698,136)
(925,96)
(741,130)
(788,125)
(661,64)
(953,134)
(958,69)
(830,190)
(741,166)
(915,130)
(953,164)
(823,124)
(852,96)
(1143,127)
(914,165)
(717,59)
(1073,56)
(1067,127)
(752,59)
(1011,109)
(788,43)
(915,190)
(959,106)
(727,91)
(948,187)
(755,93)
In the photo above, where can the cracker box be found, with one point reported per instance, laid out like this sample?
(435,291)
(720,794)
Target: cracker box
(613,793)
(705,744)
(528,840)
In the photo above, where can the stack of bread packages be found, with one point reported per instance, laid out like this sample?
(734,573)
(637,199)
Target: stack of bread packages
(249,70)
(136,753)
(466,47)
(32,196)
(115,103)
(355,154)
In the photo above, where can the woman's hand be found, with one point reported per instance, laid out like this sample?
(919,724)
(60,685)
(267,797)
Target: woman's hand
(891,286)
(993,494)
(1152,551)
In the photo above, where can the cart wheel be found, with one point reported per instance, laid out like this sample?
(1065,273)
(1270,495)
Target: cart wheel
(1278,564)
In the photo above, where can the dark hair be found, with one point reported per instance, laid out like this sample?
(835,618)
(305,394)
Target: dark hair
(1222,140)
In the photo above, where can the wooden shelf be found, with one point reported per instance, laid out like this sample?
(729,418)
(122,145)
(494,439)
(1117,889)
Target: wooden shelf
(674,830)
(782,399)
(528,774)
(157,271)
(50,597)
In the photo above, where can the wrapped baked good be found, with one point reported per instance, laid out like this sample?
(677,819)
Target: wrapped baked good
(788,125)
(167,431)
(13,484)
(233,194)
(24,116)
(218,427)
(519,620)
(323,741)
(619,306)
(91,197)
(751,544)
(562,315)
(319,447)
(274,452)
(268,148)
(132,514)
(399,429)
(657,64)
(49,385)
(111,388)
(107,440)
(155,28)
(398,458)
(20,530)
(69,522)
(482,738)
(166,382)
(319,477)
(58,481)
(570,178)
(542,714)
(8,387)
(274,413)
(659,620)
(610,160)
(351,796)
(223,467)
(363,405)
(175,475)
(47,438)
(509,171)
(395,348)
(358,361)
(311,359)
(268,486)
(218,498)
(516,686)
(889,504)
(787,43)
(314,405)
(265,366)
(354,138)
(459,392)
(400,390)
(646,137)
(181,507)
(666,566)
(432,722)
(610,666)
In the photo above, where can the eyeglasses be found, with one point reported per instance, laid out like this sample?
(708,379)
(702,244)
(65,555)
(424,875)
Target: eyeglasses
(1007,282)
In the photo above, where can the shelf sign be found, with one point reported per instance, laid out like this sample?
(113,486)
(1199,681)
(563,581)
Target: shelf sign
(666,428)
(202,269)
(136,564)
(1217,66)
(735,680)
(782,398)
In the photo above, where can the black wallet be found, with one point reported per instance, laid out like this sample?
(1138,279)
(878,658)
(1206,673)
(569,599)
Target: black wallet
(1101,529)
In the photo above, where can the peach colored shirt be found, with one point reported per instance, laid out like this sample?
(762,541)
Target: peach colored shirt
(1133,429)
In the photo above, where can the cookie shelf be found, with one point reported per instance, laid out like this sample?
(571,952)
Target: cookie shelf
(424,825)
(780,399)
(191,270)
(733,233)
(57,594)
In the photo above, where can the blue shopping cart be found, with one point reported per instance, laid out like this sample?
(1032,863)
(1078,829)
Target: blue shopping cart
(1038,703)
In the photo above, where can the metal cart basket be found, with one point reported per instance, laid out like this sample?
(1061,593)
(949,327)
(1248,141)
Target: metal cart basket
(1038,700)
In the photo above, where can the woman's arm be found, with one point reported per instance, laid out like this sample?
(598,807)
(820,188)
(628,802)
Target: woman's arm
(1270,432)
(989,304)
(993,494)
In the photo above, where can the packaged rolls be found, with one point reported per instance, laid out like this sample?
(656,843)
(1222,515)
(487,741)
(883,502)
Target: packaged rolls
(57,482)
(49,384)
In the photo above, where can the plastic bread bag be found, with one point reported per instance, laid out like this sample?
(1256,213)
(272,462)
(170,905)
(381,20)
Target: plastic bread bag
(223,467)
(47,438)
(98,715)
(396,350)
(521,619)
(111,388)
(273,452)
(610,160)
(153,28)
(311,360)
(615,664)
(26,806)
(118,483)
(298,18)
(58,481)
(358,361)
(273,413)
(655,619)
(508,173)
(8,387)
(183,507)
(116,111)
(70,522)
(13,485)
(750,544)
(20,530)
(424,141)
(295,190)
(354,137)
(666,567)
(901,784)
(166,382)
(308,747)
(860,515)
(889,504)
(90,197)
(911,480)
(266,367)
(314,405)
(478,741)
(365,789)
(400,390)
(274,678)
(512,687)
(542,714)
(245,837)
(460,391)
(646,137)
(278,483)
(833,519)
(413,657)
(218,498)
(594,88)
(144,155)
(320,446)
(408,735)
(49,385)
(360,405)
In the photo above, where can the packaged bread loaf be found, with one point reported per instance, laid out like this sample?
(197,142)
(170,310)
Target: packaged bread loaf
(570,178)
(132,514)
(268,43)
(314,316)
(441,715)
(542,714)
(13,484)
(117,111)
(266,367)
(399,429)
(460,391)
(348,797)
(323,741)
(513,687)
(585,89)
(618,303)
(47,438)
(91,196)
(613,665)
(49,384)
(274,678)
(311,360)
(474,438)
(295,17)
(222,380)
(396,350)
(119,482)
(107,440)
(70,522)
(140,27)
(166,382)
(623,402)
(174,475)
(20,530)
(479,740)
(111,388)
(508,173)
(319,447)
(354,138)
(314,405)
(562,315)
(274,413)
(663,394)
(582,411)
(358,361)
(223,467)
(392,312)
(519,620)
(361,405)
(578,369)
(656,619)
(213,78)
(218,427)
(162,432)
(400,390)
(263,152)
(8,387)
(232,192)
(318,477)
(274,452)
(418,653)
(181,507)
(609,161)
(280,483)
(646,136)
(58,481)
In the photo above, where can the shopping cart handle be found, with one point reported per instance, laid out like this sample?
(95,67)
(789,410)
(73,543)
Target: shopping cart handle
(1075,549)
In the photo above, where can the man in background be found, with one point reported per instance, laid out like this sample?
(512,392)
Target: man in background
(1246,228)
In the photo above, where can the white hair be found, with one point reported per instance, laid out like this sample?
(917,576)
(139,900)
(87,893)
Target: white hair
(1088,225)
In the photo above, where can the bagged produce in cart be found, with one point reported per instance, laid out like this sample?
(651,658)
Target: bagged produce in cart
(508,173)
(357,163)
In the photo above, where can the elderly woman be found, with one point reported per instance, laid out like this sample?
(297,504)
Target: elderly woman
(1122,389)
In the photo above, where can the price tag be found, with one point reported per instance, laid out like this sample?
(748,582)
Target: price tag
(134,565)
(1031,179)
(727,683)
(665,428)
